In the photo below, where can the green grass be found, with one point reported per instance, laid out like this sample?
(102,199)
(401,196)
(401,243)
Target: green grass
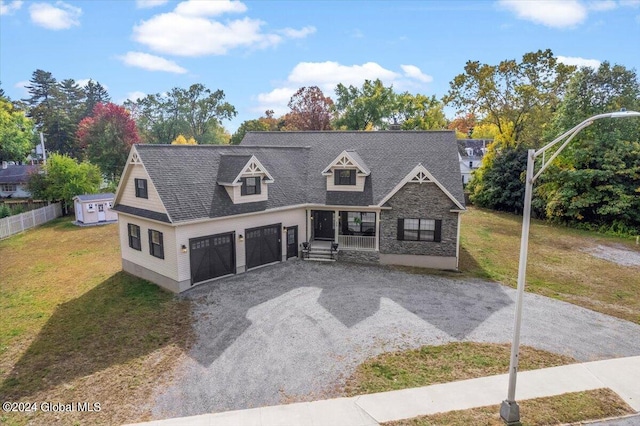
(430,365)
(562,409)
(76,328)
(558,267)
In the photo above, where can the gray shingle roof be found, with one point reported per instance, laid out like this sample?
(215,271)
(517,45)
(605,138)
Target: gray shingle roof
(186,176)
(95,197)
(390,155)
(18,173)
(231,166)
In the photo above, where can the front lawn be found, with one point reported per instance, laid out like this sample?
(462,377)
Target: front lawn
(75,328)
(559,265)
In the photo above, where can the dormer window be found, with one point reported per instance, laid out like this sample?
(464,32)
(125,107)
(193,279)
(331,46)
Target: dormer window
(141,188)
(345,177)
(250,186)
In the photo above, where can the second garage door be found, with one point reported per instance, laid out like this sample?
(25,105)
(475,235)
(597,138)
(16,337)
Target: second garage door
(263,245)
(212,257)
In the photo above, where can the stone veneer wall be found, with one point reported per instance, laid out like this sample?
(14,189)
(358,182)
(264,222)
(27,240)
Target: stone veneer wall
(359,256)
(419,201)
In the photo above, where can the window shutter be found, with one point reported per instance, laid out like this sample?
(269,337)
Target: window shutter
(336,177)
(437,234)
(258,185)
(161,245)
(352,177)
(150,243)
(243,188)
(400,229)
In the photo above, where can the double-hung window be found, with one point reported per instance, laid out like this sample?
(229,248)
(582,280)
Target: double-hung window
(141,188)
(250,186)
(345,177)
(156,245)
(134,236)
(420,230)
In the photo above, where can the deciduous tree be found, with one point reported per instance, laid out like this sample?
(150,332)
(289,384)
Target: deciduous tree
(364,108)
(16,132)
(64,178)
(181,140)
(107,136)
(310,110)
(596,180)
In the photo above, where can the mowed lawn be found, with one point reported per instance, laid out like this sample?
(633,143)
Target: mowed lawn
(76,329)
(558,266)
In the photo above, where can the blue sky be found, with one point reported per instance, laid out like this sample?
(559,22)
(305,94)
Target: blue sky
(260,52)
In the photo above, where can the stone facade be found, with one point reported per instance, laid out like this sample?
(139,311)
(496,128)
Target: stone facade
(419,201)
(371,257)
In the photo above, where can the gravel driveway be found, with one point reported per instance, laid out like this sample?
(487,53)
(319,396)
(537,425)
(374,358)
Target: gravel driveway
(295,330)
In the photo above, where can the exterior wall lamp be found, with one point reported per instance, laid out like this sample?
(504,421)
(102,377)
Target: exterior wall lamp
(240,238)
(183,248)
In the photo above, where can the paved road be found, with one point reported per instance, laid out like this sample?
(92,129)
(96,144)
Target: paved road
(293,331)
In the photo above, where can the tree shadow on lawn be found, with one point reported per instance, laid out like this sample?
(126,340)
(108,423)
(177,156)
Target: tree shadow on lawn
(121,319)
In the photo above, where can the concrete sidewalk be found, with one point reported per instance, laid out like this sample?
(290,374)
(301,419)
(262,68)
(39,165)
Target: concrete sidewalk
(622,375)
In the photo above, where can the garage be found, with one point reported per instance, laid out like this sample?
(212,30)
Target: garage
(212,256)
(263,245)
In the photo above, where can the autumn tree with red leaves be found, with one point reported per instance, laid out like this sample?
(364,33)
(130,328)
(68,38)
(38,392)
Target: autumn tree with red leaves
(310,110)
(106,138)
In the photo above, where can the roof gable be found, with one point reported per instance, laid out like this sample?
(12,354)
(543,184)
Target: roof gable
(420,175)
(348,160)
(234,167)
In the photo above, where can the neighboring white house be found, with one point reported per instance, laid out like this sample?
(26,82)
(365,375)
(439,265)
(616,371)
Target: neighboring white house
(14,179)
(94,208)
(191,214)
(470,154)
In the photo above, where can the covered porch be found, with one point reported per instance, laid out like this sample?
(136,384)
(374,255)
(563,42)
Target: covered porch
(350,229)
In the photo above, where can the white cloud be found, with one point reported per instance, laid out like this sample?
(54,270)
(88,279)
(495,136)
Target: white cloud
(579,62)
(62,16)
(602,5)
(327,75)
(412,71)
(147,4)
(23,85)
(188,30)
(301,33)
(7,8)
(134,96)
(209,8)
(552,13)
(175,34)
(151,62)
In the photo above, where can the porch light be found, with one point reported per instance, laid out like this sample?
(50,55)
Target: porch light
(240,238)
(183,248)
(284,229)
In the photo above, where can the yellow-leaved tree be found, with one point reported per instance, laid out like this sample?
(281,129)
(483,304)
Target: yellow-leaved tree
(181,140)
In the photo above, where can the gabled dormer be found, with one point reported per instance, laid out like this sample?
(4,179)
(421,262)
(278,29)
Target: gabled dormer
(347,172)
(244,177)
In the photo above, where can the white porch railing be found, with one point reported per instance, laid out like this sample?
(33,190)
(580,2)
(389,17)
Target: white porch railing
(356,242)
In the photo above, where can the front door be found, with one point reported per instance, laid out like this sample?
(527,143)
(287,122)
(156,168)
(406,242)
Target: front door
(323,225)
(102,217)
(292,241)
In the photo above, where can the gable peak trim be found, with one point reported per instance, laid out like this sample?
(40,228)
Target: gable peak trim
(347,160)
(419,174)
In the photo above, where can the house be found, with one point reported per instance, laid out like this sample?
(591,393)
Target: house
(470,153)
(14,179)
(94,209)
(190,214)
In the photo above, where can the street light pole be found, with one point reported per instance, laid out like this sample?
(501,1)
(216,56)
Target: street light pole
(509,410)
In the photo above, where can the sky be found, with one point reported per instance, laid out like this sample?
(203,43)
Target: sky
(260,52)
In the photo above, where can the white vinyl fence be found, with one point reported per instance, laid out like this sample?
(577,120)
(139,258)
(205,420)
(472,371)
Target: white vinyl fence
(18,223)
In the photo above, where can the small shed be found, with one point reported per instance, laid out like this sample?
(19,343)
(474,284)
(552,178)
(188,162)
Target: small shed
(94,208)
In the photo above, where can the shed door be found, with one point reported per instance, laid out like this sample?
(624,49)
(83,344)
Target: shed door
(102,217)
(212,257)
(263,245)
